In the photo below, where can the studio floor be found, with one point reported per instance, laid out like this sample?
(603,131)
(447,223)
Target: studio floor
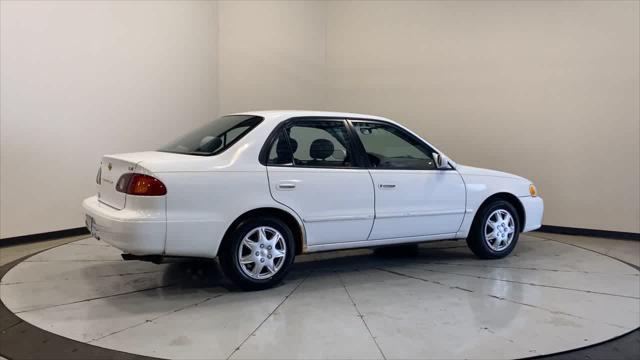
(555,293)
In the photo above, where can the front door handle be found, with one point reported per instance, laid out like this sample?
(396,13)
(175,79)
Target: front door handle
(286,186)
(386,186)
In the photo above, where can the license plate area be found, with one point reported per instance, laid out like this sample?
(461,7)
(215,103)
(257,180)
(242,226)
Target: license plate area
(91,226)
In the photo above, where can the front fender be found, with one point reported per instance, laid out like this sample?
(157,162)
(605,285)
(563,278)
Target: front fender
(480,187)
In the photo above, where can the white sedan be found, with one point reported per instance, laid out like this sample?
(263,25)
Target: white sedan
(258,188)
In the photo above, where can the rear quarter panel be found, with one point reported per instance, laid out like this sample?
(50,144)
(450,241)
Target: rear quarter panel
(205,194)
(202,205)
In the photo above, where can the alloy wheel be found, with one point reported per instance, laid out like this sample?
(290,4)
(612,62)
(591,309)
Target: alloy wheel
(499,230)
(262,252)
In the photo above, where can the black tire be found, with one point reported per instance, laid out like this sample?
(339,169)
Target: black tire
(229,257)
(477,240)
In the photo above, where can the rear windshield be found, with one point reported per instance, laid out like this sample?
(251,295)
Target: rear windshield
(215,137)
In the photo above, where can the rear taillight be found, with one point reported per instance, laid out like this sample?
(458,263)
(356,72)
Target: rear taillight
(140,184)
(99,175)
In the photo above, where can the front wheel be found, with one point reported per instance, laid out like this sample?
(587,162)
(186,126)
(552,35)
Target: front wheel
(258,253)
(495,231)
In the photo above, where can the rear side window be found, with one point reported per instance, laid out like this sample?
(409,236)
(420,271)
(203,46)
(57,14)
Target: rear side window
(214,137)
(312,143)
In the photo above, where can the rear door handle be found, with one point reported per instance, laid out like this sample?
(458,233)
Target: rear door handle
(386,186)
(286,186)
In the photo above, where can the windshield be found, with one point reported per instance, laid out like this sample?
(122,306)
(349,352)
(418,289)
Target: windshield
(214,137)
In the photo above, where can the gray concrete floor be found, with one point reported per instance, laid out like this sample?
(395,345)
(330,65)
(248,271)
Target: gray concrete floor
(625,250)
(11,253)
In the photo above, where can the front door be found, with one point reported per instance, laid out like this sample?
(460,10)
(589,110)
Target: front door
(312,170)
(413,198)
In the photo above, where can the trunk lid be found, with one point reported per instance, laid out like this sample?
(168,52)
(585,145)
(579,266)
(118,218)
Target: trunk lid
(151,163)
(111,169)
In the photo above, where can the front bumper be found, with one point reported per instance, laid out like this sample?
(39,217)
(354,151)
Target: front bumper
(533,209)
(131,231)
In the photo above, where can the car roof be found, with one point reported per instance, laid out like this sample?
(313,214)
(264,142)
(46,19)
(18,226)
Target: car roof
(279,115)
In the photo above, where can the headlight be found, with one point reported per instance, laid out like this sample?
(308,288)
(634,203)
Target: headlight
(533,191)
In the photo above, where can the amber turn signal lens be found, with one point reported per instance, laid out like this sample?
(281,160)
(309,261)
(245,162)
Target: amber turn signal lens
(533,191)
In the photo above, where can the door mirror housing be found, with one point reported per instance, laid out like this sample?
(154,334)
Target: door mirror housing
(442,161)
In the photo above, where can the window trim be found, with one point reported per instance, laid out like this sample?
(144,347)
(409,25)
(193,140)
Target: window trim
(356,145)
(363,151)
(357,161)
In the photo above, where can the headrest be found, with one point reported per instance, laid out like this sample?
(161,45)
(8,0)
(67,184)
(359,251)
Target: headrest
(209,144)
(294,145)
(321,149)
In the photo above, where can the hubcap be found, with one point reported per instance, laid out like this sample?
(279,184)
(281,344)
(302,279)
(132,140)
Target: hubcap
(262,252)
(499,230)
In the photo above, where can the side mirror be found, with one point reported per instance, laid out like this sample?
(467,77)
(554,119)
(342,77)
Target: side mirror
(442,161)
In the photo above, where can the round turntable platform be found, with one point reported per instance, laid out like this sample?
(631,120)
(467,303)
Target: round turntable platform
(440,302)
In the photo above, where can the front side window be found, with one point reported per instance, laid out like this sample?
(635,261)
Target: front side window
(214,137)
(389,147)
(312,143)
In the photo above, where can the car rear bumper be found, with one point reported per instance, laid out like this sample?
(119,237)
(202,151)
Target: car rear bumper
(134,232)
(533,209)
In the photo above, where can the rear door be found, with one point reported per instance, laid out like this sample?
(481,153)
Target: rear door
(312,170)
(111,169)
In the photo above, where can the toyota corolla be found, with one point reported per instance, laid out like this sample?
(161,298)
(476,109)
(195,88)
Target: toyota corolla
(256,189)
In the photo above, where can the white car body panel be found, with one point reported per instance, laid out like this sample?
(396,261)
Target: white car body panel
(106,190)
(334,208)
(336,205)
(134,230)
(483,183)
(417,203)
(202,207)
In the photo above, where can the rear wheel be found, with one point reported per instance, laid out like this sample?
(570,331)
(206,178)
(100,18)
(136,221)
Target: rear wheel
(258,254)
(495,231)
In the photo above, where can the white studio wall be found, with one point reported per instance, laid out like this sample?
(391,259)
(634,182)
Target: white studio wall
(548,90)
(82,79)
(272,55)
